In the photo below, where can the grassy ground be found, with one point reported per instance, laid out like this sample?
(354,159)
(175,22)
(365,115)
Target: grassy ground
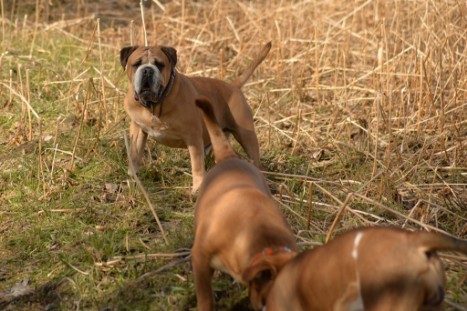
(360,106)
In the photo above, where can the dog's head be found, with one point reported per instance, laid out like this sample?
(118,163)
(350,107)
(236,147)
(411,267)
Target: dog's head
(261,274)
(150,70)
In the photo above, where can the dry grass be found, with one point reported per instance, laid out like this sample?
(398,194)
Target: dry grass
(360,108)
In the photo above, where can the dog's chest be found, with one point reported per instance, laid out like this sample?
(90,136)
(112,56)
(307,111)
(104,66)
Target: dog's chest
(219,264)
(162,132)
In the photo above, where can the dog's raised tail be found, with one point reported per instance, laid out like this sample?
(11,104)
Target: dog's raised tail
(241,80)
(220,143)
(431,241)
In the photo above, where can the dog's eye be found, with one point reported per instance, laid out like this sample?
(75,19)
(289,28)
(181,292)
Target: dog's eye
(159,65)
(137,64)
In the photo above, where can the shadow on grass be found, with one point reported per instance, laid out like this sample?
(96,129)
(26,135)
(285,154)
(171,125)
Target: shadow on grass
(22,296)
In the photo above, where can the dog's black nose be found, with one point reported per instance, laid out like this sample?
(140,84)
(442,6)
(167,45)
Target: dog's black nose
(147,72)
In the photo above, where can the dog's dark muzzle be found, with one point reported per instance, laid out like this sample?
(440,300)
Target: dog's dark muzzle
(147,98)
(148,91)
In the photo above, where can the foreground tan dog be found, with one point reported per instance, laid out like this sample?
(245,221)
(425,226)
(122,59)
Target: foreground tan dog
(161,103)
(239,230)
(366,269)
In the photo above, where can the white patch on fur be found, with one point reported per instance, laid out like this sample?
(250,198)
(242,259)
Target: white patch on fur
(217,264)
(137,82)
(151,131)
(356,242)
(351,299)
(357,304)
(158,130)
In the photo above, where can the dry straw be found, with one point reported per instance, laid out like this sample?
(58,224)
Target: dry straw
(143,190)
(145,35)
(360,107)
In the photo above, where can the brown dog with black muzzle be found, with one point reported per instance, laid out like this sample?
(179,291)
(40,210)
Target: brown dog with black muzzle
(161,103)
(371,269)
(239,230)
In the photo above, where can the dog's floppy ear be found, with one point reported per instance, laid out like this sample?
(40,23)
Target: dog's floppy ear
(261,275)
(171,54)
(125,53)
(273,263)
(261,272)
(259,278)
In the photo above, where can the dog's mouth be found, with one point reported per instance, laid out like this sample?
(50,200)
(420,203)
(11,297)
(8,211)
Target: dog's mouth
(147,98)
(149,90)
(147,85)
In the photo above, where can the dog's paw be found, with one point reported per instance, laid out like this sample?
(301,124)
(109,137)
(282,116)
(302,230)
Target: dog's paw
(132,171)
(155,121)
(194,190)
(196,185)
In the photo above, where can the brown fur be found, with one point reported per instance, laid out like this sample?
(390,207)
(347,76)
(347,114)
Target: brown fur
(236,220)
(176,121)
(394,269)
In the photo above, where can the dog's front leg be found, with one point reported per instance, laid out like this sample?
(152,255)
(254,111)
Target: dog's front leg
(202,276)
(137,143)
(196,150)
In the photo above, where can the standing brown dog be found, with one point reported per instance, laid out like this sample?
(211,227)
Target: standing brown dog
(239,230)
(371,269)
(161,103)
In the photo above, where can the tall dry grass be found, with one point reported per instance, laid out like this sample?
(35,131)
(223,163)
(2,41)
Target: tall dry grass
(360,107)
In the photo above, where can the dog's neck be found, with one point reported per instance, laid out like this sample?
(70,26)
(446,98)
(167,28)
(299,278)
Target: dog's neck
(164,93)
(270,251)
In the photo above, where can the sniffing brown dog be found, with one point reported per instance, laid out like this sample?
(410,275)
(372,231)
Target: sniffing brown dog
(239,230)
(161,103)
(367,269)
